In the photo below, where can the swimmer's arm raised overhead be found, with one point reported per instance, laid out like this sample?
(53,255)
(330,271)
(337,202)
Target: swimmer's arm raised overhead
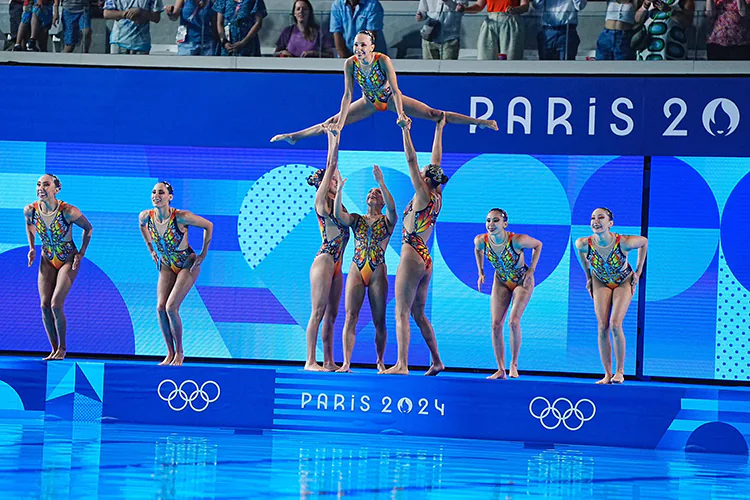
(332,165)
(390,203)
(420,186)
(345,218)
(346,99)
(397,96)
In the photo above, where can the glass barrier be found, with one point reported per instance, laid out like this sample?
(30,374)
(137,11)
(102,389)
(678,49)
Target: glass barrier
(670,34)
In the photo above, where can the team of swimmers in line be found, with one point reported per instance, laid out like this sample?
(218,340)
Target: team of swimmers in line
(611,281)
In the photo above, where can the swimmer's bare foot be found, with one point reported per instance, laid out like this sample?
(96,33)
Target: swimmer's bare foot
(397,369)
(285,137)
(179,358)
(434,369)
(606,380)
(345,368)
(498,375)
(167,360)
(492,124)
(381,366)
(59,354)
(513,371)
(619,378)
(314,367)
(51,355)
(330,367)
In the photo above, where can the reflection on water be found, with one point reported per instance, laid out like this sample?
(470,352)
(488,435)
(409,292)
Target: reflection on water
(185,464)
(76,460)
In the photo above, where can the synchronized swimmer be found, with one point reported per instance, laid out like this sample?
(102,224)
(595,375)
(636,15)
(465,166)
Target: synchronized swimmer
(376,77)
(52,220)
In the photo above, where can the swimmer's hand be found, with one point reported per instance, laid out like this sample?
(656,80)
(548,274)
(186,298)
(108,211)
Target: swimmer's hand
(32,256)
(403,120)
(480,281)
(198,261)
(77,260)
(590,287)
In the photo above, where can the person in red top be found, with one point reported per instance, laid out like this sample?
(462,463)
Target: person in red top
(502,32)
(729,39)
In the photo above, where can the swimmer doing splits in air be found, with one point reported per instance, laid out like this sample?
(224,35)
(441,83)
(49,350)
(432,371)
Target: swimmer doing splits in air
(376,77)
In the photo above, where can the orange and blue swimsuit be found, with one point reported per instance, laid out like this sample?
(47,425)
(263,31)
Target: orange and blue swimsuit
(506,264)
(56,246)
(423,220)
(613,270)
(368,254)
(374,85)
(335,246)
(167,244)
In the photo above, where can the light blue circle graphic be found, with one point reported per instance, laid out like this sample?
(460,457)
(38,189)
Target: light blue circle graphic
(274,205)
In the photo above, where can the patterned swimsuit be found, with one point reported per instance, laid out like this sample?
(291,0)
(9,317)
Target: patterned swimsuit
(423,220)
(55,247)
(613,270)
(374,85)
(506,264)
(335,246)
(167,244)
(368,254)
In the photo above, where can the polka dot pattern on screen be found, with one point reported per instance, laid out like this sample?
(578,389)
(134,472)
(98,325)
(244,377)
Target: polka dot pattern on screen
(732,326)
(272,208)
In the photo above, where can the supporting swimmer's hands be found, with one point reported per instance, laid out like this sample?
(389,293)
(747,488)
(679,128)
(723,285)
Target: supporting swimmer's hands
(480,281)
(32,256)
(332,127)
(403,121)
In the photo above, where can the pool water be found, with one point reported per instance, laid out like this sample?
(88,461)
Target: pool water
(41,459)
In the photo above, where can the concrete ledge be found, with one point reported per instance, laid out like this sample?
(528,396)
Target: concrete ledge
(577,68)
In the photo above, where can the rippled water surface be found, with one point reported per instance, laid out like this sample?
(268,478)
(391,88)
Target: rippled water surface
(74,460)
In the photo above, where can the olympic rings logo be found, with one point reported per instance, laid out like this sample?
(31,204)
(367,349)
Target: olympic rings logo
(561,416)
(198,394)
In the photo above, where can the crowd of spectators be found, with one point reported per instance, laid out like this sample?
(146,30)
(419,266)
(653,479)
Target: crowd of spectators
(633,29)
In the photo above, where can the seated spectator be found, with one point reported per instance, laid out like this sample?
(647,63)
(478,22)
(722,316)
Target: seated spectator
(238,23)
(444,17)
(131,33)
(667,23)
(76,19)
(15,11)
(195,36)
(729,39)
(502,32)
(304,38)
(349,17)
(613,43)
(558,39)
(36,22)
